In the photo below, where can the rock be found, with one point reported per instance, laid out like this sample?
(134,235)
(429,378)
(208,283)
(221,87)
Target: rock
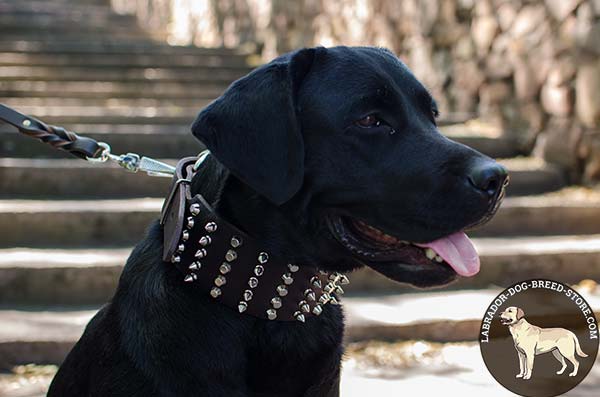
(557,100)
(483,8)
(567,32)
(526,85)
(464,48)
(587,87)
(560,9)
(590,40)
(562,71)
(494,92)
(530,17)
(468,78)
(587,29)
(497,66)
(483,31)
(596,4)
(560,142)
(507,12)
(590,153)
(533,115)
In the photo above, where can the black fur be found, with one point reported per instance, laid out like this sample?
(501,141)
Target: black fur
(286,153)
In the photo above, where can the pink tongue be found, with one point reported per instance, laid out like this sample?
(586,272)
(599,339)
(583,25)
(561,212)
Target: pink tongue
(458,250)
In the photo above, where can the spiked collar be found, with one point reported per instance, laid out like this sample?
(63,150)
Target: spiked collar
(230,266)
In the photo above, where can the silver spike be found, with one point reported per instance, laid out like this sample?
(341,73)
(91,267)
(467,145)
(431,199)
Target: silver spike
(201,253)
(334,301)
(195,209)
(329,288)
(287,279)
(220,281)
(230,256)
(190,222)
(248,295)
(215,292)
(253,282)
(210,227)
(205,240)
(316,282)
(339,290)
(259,270)
(304,306)
(175,259)
(181,248)
(190,277)
(185,235)
(299,316)
(271,314)
(242,306)
(195,266)
(225,268)
(263,258)
(276,302)
(317,310)
(310,295)
(236,241)
(324,298)
(293,268)
(344,280)
(282,290)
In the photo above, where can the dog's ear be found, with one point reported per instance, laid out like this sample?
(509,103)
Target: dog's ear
(520,313)
(253,128)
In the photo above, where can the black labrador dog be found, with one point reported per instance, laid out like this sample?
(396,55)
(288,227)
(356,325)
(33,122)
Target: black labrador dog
(330,157)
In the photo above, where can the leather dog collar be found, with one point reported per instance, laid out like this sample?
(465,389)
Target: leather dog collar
(228,264)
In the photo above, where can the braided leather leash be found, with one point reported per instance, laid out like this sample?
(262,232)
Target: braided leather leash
(57,137)
(79,146)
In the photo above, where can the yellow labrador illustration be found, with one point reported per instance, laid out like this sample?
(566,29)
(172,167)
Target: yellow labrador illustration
(531,340)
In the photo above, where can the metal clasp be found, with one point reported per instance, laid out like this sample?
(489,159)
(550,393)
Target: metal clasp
(132,162)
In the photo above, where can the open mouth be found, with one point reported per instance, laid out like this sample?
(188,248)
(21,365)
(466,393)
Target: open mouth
(454,253)
(505,321)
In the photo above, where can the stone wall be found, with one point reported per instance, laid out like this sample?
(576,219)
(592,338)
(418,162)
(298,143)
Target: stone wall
(531,67)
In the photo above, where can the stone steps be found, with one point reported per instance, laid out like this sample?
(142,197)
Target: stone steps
(22,20)
(70,113)
(45,334)
(107,90)
(121,60)
(132,74)
(108,222)
(173,141)
(75,178)
(209,92)
(41,7)
(104,46)
(90,275)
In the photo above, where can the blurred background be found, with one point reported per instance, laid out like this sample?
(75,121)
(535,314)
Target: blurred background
(517,79)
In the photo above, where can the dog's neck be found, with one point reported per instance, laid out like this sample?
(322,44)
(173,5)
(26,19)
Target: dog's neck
(222,251)
(519,325)
(240,205)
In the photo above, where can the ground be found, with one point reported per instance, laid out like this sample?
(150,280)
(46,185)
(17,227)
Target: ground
(376,368)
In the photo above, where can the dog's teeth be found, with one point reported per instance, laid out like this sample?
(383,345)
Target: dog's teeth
(430,254)
(438,259)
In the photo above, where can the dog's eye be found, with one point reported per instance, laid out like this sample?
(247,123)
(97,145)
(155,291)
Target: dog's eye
(369,121)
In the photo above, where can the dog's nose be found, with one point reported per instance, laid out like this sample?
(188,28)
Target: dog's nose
(488,177)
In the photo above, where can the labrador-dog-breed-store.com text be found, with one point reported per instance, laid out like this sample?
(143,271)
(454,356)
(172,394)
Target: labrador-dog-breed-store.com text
(323,161)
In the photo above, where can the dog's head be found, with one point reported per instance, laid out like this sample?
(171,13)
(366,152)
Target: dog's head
(511,315)
(343,143)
